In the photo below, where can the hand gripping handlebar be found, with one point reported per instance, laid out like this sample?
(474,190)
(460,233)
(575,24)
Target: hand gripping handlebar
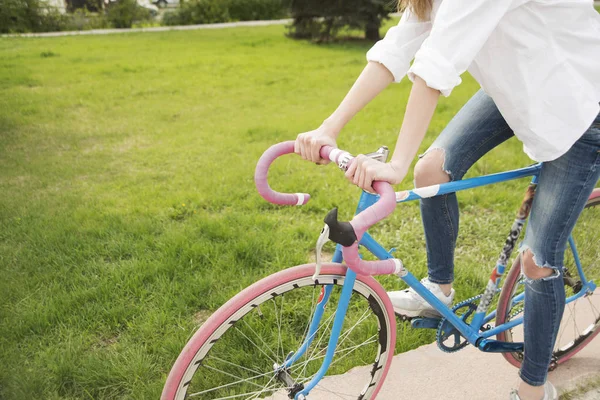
(359,224)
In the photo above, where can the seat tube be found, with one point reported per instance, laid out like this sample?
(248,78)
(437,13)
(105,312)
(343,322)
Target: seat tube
(505,254)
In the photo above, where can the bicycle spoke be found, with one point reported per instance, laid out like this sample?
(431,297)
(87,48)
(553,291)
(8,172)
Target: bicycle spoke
(370,340)
(241,380)
(595,311)
(346,334)
(256,334)
(562,328)
(238,361)
(321,328)
(576,331)
(338,354)
(230,363)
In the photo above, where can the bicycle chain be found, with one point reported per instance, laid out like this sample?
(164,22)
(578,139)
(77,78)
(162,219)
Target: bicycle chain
(438,335)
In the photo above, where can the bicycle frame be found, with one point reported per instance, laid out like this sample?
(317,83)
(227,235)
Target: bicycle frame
(471,332)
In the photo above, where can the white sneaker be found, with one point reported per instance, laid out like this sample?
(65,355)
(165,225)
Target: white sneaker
(409,304)
(550,393)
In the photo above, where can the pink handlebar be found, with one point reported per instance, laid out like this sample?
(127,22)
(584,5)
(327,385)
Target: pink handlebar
(361,222)
(262,171)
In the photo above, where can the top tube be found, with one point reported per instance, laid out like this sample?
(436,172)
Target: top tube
(457,186)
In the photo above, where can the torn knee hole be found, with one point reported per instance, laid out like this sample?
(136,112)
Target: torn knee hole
(430,168)
(532,270)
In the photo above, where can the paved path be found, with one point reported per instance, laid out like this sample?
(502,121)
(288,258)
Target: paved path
(170,28)
(223,25)
(427,373)
(593,395)
(156,29)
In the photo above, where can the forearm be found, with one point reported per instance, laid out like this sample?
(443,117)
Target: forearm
(419,111)
(373,79)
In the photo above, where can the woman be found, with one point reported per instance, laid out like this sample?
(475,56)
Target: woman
(538,63)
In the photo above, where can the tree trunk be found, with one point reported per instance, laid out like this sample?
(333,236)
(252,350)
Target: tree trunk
(372,31)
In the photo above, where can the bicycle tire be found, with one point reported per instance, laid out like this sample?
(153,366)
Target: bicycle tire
(254,303)
(590,259)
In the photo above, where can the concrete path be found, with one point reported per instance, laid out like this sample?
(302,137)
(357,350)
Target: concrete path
(223,25)
(170,28)
(593,395)
(155,29)
(427,373)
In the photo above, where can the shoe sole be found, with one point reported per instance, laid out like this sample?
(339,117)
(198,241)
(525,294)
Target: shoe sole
(408,315)
(554,394)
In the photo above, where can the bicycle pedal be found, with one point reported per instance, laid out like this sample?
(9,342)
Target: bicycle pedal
(403,318)
(425,323)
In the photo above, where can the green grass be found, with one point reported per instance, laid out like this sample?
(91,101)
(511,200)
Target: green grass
(128,211)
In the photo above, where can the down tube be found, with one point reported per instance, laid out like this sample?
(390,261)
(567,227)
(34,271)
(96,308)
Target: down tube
(470,334)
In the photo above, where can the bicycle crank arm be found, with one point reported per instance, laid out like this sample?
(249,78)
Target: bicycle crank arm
(495,346)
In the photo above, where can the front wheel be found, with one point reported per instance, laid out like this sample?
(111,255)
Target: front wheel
(232,356)
(581,319)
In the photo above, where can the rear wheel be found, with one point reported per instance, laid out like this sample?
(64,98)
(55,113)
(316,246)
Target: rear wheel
(581,319)
(232,355)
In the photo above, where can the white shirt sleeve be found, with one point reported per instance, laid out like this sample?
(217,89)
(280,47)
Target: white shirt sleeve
(401,42)
(460,29)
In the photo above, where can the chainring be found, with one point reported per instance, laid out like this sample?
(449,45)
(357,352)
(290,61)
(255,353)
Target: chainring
(448,338)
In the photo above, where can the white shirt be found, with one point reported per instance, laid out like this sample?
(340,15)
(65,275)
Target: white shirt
(539,60)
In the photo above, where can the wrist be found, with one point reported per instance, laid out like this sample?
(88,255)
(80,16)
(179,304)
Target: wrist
(400,169)
(332,126)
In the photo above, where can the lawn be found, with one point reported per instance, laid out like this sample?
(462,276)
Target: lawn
(127,206)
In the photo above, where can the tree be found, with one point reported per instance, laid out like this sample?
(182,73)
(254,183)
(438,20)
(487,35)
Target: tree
(322,19)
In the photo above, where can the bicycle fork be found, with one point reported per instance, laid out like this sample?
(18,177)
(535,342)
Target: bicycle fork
(297,390)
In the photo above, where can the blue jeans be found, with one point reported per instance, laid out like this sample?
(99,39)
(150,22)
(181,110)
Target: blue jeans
(564,186)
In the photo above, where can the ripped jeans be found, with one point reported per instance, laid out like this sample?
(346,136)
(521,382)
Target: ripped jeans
(564,186)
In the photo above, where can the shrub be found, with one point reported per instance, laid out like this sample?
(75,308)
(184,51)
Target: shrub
(81,19)
(252,10)
(87,5)
(213,11)
(198,12)
(323,19)
(19,16)
(123,13)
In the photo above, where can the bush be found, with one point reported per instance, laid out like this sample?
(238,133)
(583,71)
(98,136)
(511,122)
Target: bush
(253,10)
(81,20)
(198,12)
(124,13)
(87,5)
(213,11)
(323,19)
(20,16)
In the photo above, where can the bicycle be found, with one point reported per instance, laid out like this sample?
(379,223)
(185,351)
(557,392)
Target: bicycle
(277,338)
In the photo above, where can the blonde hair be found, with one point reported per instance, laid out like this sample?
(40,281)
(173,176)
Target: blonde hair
(421,8)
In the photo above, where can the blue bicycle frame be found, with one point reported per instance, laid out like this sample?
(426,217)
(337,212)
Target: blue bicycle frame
(471,332)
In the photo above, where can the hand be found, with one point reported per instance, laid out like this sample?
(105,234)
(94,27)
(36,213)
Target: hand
(309,144)
(364,170)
